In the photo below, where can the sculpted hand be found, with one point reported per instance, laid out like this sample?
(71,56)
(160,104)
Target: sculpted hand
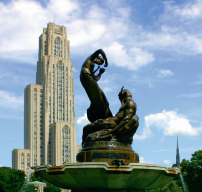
(102,70)
(98,121)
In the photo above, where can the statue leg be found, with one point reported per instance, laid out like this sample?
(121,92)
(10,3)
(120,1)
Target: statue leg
(108,123)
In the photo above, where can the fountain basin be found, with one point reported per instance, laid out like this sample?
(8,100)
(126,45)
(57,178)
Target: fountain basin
(100,176)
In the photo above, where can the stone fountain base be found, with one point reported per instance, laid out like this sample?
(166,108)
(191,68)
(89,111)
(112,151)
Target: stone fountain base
(102,177)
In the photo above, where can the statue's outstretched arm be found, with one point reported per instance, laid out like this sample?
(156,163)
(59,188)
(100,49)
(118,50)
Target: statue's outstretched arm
(96,53)
(98,76)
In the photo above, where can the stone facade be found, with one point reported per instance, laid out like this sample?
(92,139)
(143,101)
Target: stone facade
(49,115)
(21,159)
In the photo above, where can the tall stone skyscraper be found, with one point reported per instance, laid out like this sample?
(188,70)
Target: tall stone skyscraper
(49,116)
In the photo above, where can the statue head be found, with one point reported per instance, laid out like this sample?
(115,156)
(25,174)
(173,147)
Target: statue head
(99,60)
(124,93)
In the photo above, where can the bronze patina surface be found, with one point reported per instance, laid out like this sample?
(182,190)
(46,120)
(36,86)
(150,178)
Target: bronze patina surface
(99,108)
(106,145)
(107,151)
(107,137)
(104,126)
(120,127)
(108,156)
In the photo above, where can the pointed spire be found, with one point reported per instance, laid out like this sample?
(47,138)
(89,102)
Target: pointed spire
(177,155)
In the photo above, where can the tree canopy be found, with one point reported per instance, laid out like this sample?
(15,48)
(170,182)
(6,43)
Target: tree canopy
(192,172)
(173,186)
(11,179)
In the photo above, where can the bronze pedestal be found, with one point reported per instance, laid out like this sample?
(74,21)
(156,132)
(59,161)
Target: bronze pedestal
(107,151)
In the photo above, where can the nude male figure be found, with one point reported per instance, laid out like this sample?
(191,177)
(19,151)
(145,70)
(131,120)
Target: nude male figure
(118,122)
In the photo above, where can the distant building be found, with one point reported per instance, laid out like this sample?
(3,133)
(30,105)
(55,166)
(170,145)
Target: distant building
(177,157)
(49,115)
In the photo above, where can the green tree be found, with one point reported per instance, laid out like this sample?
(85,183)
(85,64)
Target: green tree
(170,187)
(11,179)
(49,187)
(28,188)
(192,172)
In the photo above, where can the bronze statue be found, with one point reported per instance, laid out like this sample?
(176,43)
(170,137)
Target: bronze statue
(107,138)
(99,108)
(120,127)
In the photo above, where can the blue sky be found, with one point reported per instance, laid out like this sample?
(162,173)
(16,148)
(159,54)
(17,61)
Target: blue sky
(154,49)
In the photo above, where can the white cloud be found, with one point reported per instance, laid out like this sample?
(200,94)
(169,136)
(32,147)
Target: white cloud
(191,95)
(164,73)
(167,161)
(142,160)
(75,70)
(170,122)
(89,27)
(107,89)
(23,21)
(145,133)
(9,100)
(83,120)
(131,59)
(190,10)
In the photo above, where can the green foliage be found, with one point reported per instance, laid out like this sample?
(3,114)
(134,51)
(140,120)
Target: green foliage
(11,179)
(192,172)
(170,187)
(49,187)
(28,188)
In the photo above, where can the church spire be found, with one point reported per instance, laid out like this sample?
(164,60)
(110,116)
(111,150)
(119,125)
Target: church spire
(177,155)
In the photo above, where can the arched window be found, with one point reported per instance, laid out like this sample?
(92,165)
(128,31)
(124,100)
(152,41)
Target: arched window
(60,89)
(58,47)
(28,160)
(22,161)
(66,144)
(35,127)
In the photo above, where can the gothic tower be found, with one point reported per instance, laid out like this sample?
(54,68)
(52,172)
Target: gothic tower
(49,116)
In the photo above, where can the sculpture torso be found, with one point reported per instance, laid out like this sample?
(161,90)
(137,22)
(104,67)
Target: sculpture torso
(99,108)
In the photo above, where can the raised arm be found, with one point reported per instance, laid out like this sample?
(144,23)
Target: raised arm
(96,54)
(98,76)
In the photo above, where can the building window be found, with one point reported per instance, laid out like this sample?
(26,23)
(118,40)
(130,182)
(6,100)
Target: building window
(41,126)
(58,47)
(35,127)
(66,93)
(22,161)
(44,47)
(65,48)
(53,100)
(28,160)
(66,144)
(60,87)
